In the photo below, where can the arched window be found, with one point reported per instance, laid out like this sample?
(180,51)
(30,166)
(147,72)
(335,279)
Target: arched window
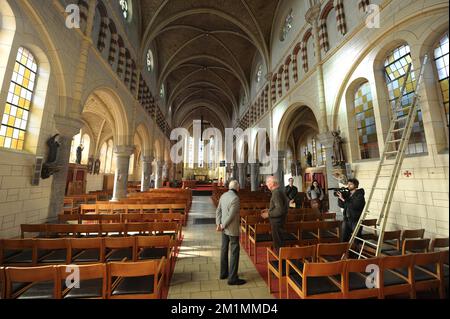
(365,122)
(126,10)
(323,155)
(396,66)
(103,152)
(109,157)
(131,165)
(314,152)
(77,141)
(441,60)
(150,61)
(18,103)
(191,153)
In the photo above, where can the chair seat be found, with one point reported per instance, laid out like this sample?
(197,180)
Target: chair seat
(306,235)
(392,252)
(88,255)
(332,258)
(316,285)
(327,234)
(56,256)
(41,290)
(391,279)
(135,285)
(153,253)
(263,238)
(120,254)
(298,263)
(23,257)
(91,288)
(356,281)
(432,268)
(290,237)
(419,274)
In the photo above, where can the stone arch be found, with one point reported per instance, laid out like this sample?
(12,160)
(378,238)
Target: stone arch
(142,130)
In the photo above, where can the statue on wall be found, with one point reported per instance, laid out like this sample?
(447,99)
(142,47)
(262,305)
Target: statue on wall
(80,149)
(296,168)
(91,165)
(49,168)
(97,167)
(309,159)
(338,150)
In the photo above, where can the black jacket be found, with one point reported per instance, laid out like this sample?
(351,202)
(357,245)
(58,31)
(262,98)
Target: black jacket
(353,205)
(279,206)
(291,192)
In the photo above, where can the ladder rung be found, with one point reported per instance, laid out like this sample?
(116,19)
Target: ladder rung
(399,129)
(358,253)
(393,152)
(369,227)
(394,141)
(366,241)
(403,109)
(398,119)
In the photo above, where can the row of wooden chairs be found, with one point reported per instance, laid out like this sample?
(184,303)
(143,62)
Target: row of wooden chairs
(82,230)
(114,280)
(317,272)
(299,233)
(113,208)
(35,252)
(121,218)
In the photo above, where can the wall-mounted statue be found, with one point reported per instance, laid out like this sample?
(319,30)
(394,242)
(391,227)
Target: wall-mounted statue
(80,149)
(97,167)
(338,150)
(91,165)
(309,159)
(49,168)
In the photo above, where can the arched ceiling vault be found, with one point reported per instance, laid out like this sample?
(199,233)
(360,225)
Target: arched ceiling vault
(206,49)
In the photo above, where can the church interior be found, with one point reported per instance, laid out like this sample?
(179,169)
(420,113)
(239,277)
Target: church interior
(118,117)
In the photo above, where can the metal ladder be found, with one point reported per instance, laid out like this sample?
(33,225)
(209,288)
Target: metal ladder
(393,167)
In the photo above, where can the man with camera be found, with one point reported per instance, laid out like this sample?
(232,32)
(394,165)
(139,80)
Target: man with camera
(352,201)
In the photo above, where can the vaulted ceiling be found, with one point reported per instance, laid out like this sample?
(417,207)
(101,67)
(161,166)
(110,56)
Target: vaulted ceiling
(205,50)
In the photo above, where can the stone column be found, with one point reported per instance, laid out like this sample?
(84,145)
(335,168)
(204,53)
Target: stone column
(235,175)
(159,173)
(327,141)
(122,155)
(254,172)
(241,169)
(280,157)
(67,129)
(146,173)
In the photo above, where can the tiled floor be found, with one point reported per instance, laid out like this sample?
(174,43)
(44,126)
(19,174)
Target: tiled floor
(196,273)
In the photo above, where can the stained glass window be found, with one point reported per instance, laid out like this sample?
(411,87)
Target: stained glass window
(103,152)
(18,102)
(125,8)
(323,154)
(365,122)
(441,60)
(109,158)
(162,91)
(287,26)
(396,66)
(259,74)
(150,61)
(314,152)
(131,165)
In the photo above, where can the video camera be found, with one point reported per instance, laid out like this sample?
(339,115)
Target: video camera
(343,190)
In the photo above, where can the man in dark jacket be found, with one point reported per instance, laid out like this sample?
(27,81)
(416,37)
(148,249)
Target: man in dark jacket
(277,212)
(353,205)
(291,191)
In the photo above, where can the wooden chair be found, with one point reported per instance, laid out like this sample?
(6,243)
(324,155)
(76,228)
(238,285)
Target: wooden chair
(315,280)
(120,248)
(141,280)
(88,230)
(92,281)
(391,242)
(308,233)
(427,272)
(54,251)
(356,277)
(38,230)
(276,264)
(393,282)
(61,230)
(259,235)
(329,231)
(415,246)
(2,283)
(290,237)
(32,283)
(87,250)
(155,247)
(412,234)
(443,271)
(113,230)
(247,221)
(439,243)
(331,252)
(17,252)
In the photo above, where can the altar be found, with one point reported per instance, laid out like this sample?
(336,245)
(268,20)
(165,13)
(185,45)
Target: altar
(201,178)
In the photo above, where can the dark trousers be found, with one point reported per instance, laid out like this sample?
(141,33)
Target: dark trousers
(232,271)
(348,229)
(277,234)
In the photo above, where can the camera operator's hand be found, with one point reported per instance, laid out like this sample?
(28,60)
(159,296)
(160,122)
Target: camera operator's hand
(340,196)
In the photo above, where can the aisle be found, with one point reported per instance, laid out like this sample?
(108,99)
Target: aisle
(196,273)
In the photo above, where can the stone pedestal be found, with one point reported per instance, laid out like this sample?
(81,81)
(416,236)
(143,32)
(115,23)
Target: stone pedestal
(122,157)
(146,173)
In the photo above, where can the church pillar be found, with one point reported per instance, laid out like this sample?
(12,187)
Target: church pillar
(122,155)
(254,172)
(312,17)
(235,175)
(280,157)
(159,173)
(241,169)
(67,129)
(146,173)
(326,139)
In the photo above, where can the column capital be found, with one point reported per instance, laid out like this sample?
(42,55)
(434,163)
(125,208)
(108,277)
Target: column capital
(67,126)
(326,139)
(124,150)
(313,13)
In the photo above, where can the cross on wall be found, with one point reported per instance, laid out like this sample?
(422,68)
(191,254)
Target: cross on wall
(407,174)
